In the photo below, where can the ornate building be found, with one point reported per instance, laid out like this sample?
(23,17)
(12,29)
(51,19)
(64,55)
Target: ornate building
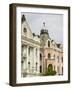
(51,53)
(38,52)
(30,43)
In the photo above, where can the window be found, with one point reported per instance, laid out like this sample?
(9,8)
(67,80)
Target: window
(40,56)
(28,65)
(49,56)
(48,43)
(22,61)
(62,70)
(40,69)
(25,30)
(36,65)
(62,59)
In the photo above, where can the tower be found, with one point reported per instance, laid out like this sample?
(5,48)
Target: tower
(44,36)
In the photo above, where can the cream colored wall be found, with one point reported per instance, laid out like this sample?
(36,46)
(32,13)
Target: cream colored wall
(29,33)
(32,58)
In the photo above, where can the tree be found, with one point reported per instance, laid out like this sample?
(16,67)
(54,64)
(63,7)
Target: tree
(50,71)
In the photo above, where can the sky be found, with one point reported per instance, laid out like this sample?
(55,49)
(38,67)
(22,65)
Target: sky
(53,23)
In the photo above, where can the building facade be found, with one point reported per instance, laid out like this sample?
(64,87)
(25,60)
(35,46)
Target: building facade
(51,53)
(38,52)
(30,49)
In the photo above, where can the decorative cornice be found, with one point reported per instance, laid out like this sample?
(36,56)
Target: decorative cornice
(29,40)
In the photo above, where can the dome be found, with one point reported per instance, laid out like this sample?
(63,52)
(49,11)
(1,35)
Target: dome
(44,30)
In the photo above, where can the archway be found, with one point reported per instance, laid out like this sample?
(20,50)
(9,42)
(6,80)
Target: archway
(50,67)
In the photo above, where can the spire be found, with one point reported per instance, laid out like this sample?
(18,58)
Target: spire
(44,30)
(44,24)
(23,18)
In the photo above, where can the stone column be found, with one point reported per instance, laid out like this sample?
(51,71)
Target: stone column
(33,60)
(27,59)
(38,60)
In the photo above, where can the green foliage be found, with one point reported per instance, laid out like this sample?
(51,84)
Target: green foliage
(50,71)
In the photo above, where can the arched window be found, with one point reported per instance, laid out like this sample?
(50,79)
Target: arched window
(49,56)
(48,43)
(40,56)
(40,69)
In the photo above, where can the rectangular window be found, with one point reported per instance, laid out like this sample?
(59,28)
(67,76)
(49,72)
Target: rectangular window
(49,56)
(62,59)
